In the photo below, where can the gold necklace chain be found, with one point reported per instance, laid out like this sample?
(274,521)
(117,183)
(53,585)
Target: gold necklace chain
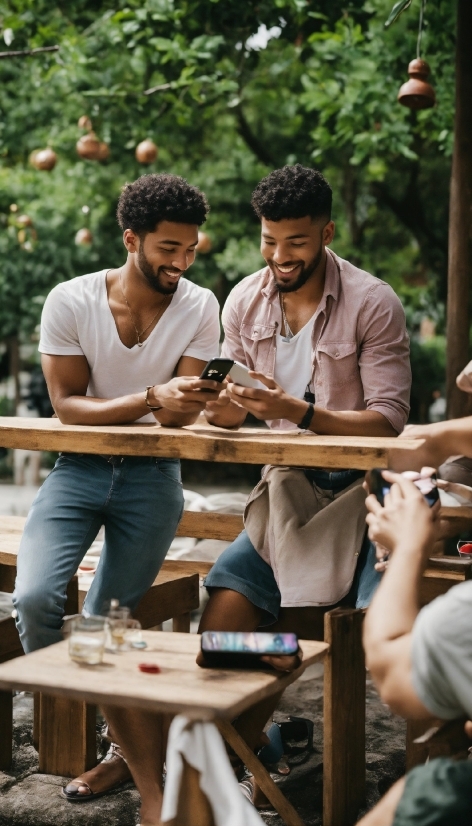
(288,333)
(158,315)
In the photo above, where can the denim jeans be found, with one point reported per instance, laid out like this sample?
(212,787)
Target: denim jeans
(139,501)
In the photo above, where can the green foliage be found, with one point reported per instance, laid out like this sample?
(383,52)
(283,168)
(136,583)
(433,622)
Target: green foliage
(223,112)
(428,366)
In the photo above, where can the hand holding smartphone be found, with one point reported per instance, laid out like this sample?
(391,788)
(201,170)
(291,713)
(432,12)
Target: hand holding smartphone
(218,369)
(379,486)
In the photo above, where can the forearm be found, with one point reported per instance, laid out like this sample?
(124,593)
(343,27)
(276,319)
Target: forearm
(394,609)
(231,416)
(351,423)
(87,410)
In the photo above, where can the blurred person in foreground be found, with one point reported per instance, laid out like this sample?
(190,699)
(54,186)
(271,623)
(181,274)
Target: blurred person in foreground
(420,660)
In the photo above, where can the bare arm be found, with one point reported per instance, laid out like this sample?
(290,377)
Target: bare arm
(68,377)
(442,439)
(274,403)
(404,526)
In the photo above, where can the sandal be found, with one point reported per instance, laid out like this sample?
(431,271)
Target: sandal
(247,787)
(71,791)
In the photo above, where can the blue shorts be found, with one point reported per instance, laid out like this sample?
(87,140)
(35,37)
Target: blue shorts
(240,568)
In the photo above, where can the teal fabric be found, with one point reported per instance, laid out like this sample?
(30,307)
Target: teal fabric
(437,794)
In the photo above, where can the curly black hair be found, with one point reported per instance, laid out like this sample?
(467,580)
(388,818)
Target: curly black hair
(160,197)
(293,192)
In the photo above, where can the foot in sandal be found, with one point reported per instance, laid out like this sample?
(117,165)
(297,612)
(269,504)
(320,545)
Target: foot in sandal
(111,773)
(256,796)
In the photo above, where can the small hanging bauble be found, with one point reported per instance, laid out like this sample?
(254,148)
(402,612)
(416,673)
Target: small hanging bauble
(84,122)
(24,221)
(416,93)
(104,151)
(44,159)
(83,237)
(204,243)
(146,151)
(89,147)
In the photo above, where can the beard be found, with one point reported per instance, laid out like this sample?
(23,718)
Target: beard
(155,277)
(303,277)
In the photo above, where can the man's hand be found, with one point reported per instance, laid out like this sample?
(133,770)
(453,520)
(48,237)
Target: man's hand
(222,401)
(273,403)
(284,662)
(405,517)
(185,394)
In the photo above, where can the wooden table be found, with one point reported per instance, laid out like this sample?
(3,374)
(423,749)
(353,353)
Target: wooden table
(181,688)
(205,443)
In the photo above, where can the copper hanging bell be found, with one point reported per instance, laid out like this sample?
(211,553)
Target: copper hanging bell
(416,93)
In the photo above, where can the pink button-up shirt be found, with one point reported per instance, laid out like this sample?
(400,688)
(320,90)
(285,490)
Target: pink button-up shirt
(360,347)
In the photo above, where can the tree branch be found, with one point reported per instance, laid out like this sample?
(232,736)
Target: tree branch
(254,144)
(30,52)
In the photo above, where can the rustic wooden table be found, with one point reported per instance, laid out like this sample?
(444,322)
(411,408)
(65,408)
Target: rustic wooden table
(181,688)
(205,443)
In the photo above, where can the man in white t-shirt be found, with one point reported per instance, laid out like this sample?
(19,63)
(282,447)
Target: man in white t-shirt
(119,346)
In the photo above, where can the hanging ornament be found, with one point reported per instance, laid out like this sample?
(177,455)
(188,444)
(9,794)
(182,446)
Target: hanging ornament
(84,122)
(24,221)
(146,151)
(416,93)
(45,159)
(204,243)
(83,237)
(91,148)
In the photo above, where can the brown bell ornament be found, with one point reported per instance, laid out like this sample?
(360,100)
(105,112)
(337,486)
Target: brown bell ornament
(84,122)
(45,159)
(204,243)
(146,151)
(83,237)
(89,147)
(416,93)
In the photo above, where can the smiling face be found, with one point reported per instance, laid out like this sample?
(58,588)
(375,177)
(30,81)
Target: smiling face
(294,248)
(163,255)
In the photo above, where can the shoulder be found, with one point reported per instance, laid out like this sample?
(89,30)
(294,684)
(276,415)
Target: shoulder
(202,297)
(246,290)
(80,286)
(356,281)
(445,617)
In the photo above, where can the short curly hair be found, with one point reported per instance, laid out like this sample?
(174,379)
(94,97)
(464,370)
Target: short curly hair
(160,197)
(293,192)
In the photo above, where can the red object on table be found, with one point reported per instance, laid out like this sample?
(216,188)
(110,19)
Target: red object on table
(149,668)
(465,549)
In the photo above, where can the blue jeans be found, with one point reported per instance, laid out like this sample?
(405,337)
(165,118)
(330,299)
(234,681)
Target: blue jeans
(139,500)
(240,568)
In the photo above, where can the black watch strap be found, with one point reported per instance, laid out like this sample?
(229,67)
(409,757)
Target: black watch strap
(306,421)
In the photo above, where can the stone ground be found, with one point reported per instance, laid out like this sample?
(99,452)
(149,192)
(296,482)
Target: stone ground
(28,798)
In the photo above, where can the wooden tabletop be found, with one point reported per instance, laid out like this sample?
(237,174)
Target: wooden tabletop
(205,443)
(181,687)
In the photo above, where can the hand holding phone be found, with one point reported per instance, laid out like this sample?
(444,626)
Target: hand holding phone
(379,486)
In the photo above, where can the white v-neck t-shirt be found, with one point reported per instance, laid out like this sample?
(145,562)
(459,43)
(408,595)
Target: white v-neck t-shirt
(293,368)
(77,321)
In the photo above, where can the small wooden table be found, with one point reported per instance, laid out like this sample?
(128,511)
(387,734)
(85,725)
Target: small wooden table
(181,688)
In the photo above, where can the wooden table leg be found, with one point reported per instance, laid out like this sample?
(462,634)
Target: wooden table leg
(181,623)
(67,740)
(6,730)
(344,718)
(261,775)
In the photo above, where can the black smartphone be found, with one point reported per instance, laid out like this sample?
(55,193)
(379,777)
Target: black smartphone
(380,487)
(217,369)
(243,649)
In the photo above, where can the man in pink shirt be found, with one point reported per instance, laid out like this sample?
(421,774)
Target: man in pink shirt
(329,343)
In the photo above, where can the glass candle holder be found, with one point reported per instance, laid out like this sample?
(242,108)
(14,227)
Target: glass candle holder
(87,640)
(465,548)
